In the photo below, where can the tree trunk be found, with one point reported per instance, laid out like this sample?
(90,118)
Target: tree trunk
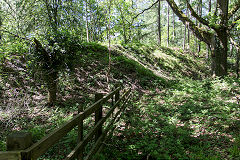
(196,39)
(168,10)
(209,11)
(219,44)
(51,80)
(86,15)
(124,32)
(210,6)
(173,23)
(109,42)
(221,41)
(91,26)
(188,37)
(237,62)
(188,28)
(50,74)
(124,26)
(219,55)
(185,31)
(200,14)
(184,38)
(234,44)
(159,23)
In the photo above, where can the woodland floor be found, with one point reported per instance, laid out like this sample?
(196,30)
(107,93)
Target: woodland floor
(177,111)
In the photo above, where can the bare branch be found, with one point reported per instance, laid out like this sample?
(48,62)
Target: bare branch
(146,9)
(199,33)
(199,18)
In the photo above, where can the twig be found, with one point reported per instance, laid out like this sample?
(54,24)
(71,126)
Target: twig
(146,9)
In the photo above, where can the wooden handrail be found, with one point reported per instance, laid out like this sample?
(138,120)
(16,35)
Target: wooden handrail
(46,142)
(93,131)
(98,143)
(39,148)
(10,155)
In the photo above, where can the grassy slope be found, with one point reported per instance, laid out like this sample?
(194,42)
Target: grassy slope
(176,112)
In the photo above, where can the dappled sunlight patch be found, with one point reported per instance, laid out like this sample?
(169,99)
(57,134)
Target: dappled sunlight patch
(165,57)
(173,120)
(188,118)
(221,85)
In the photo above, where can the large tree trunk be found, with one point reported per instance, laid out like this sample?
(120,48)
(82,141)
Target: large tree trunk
(50,74)
(219,45)
(219,54)
(219,57)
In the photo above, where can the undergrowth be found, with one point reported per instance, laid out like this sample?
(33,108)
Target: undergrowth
(193,119)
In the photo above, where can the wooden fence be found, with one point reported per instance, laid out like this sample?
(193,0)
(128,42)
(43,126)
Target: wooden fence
(42,146)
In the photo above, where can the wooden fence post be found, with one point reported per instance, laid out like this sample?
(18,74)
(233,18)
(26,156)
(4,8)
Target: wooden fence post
(98,114)
(19,141)
(80,133)
(114,101)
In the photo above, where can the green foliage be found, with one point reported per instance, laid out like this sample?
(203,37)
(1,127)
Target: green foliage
(61,47)
(145,76)
(185,121)
(3,145)
(93,49)
(37,133)
(213,19)
(238,26)
(13,48)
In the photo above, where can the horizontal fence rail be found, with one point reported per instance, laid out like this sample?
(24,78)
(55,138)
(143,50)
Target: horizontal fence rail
(42,146)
